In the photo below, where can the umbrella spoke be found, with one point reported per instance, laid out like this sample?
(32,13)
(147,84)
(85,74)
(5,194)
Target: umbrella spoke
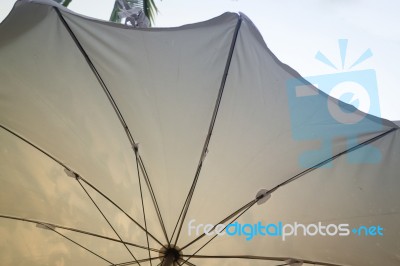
(186,205)
(153,197)
(297,176)
(230,216)
(134,262)
(318,165)
(143,209)
(130,217)
(84,180)
(250,204)
(77,231)
(237,217)
(53,227)
(287,260)
(188,263)
(105,218)
(120,117)
(76,243)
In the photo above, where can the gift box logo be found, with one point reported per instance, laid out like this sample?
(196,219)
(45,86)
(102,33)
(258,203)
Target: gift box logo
(335,115)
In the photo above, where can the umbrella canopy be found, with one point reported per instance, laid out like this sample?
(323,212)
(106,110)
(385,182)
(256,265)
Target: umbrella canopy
(123,146)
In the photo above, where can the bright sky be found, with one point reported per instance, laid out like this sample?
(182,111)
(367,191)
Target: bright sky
(296,30)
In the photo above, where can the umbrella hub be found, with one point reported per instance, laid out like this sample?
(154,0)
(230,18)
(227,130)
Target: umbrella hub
(170,255)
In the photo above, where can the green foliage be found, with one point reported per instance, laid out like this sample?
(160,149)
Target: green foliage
(149,7)
(63,2)
(66,3)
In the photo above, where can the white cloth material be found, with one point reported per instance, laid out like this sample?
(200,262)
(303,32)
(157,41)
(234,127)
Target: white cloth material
(165,83)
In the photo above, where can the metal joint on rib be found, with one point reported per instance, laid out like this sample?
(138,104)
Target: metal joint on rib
(263,195)
(71,173)
(292,262)
(135,147)
(46,226)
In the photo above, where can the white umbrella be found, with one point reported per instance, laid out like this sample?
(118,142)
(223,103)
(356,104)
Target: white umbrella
(119,146)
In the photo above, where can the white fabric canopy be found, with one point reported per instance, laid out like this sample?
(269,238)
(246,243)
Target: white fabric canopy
(205,106)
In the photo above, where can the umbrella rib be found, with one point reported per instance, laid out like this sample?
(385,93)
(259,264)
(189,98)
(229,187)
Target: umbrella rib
(153,197)
(287,182)
(76,231)
(251,257)
(81,178)
(185,207)
(295,177)
(141,198)
(318,165)
(105,218)
(76,243)
(51,227)
(186,262)
(130,217)
(220,222)
(205,244)
(134,262)
(117,111)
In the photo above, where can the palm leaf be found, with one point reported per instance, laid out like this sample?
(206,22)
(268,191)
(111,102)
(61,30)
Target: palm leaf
(148,6)
(66,3)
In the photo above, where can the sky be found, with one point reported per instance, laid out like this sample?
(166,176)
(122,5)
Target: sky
(295,31)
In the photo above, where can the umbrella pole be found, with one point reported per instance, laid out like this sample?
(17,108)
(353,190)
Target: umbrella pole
(168,260)
(171,256)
